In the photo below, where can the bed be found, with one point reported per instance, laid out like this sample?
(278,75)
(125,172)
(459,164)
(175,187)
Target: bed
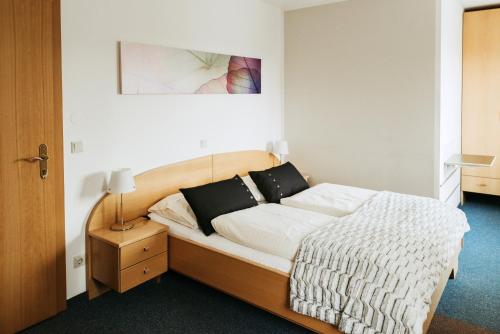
(260,280)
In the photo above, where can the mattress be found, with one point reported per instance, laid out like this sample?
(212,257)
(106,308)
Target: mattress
(271,228)
(222,244)
(330,199)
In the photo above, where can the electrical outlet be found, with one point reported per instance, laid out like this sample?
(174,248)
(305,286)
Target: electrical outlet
(78,261)
(203,144)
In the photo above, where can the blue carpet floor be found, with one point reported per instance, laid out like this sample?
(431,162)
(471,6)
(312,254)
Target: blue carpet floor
(474,296)
(181,305)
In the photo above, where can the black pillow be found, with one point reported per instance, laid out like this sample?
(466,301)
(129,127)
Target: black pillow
(218,198)
(279,182)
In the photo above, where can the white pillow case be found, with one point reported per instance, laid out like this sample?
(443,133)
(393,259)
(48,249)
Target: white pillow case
(253,189)
(271,228)
(176,208)
(331,199)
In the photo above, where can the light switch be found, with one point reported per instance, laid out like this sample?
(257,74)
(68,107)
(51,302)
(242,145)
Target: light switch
(76,147)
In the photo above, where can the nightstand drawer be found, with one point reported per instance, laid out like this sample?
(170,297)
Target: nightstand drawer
(142,250)
(481,185)
(143,271)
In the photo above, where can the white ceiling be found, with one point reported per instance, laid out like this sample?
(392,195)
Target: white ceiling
(479,3)
(296,4)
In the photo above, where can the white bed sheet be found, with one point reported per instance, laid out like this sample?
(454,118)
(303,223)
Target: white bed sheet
(330,199)
(271,228)
(222,244)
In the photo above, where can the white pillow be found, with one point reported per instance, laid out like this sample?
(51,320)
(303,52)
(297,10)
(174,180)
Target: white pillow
(176,208)
(253,189)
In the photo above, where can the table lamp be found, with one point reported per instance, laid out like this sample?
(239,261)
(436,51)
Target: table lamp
(121,182)
(281,148)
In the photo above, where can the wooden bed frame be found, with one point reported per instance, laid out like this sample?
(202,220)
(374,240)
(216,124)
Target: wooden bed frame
(256,284)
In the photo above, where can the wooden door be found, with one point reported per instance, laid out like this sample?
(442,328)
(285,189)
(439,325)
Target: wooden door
(32,253)
(481,98)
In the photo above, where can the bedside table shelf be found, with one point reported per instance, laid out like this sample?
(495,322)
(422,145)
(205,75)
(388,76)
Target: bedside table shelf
(123,260)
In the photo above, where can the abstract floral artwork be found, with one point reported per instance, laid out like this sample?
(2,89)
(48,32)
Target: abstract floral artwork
(152,69)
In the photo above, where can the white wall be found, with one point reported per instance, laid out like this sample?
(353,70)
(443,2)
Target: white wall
(450,119)
(143,132)
(361,95)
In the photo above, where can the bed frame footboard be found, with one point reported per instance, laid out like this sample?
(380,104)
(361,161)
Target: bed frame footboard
(258,285)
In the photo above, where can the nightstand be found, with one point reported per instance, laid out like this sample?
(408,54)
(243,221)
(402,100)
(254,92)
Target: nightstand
(123,260)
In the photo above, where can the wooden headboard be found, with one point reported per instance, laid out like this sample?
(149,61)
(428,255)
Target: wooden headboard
(155,184)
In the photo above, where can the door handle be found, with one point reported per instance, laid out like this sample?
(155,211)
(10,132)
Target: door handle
(35,159)
(42,159)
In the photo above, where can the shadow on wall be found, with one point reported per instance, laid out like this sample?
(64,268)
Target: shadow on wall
(270,146)
(94,185)
(92,188)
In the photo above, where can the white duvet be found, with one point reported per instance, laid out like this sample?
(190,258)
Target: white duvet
(330,199)
(271,228)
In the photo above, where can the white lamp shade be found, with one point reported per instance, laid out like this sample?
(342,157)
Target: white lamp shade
(281,147)
(122,181)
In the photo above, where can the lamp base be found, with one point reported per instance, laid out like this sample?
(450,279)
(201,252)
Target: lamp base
(120,227)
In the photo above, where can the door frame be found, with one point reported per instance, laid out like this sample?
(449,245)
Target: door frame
(59,168)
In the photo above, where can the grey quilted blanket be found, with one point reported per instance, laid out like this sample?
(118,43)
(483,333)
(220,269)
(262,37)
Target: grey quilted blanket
(375,270)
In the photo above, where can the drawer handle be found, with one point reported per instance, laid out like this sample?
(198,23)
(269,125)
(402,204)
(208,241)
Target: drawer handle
(146,270)
(483,185)
(146,248)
